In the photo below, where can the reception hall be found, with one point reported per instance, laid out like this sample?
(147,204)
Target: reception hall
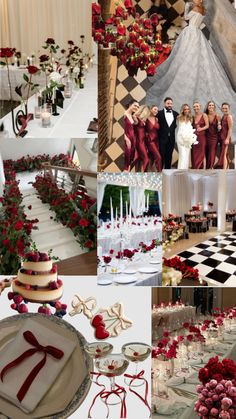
(199,228)
(129,229)
(194,352)
(48,69)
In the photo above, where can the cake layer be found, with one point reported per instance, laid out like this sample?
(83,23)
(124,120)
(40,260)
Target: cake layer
(44,266)
(39,295)
(40,280)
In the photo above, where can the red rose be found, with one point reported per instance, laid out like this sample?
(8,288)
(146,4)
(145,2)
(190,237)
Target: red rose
(83,222)
(89,244)
(73,215)
(107,259)
(6,242)
(84,203)
(32,69)
(43,58)
(19,225)
(6,52)
(50,41)
(154,19)
(120,12)
(121,29)
(96,9)
(151,69)
(203,375)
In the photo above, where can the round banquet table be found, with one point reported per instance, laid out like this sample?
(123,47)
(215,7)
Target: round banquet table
(163,318)
(196,225)
(230,215)
(111,239)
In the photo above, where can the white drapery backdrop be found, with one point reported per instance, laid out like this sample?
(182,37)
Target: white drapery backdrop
(177,193)
(137,200)
(26,24)
(100,195)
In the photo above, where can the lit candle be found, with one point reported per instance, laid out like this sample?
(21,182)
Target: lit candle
(111,213)
(147,202)
(130,212)
(126,209)
(121,208)
(46,121)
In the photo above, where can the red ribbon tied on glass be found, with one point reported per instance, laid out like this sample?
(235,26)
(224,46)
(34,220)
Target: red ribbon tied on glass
(139,376)
(46,350)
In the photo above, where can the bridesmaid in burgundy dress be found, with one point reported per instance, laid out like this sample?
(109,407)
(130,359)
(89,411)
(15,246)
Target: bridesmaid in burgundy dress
(140,119)
(152,128)
(225,136)
(131,154)
(201,124)
(212,134)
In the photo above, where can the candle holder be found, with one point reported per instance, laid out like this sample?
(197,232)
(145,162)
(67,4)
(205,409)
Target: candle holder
(136,352)
(112,366)
(46,118)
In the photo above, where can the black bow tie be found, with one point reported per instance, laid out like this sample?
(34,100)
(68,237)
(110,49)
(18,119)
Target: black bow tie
(167,110)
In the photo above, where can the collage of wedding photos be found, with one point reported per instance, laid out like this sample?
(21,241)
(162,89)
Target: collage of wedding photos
(117,209)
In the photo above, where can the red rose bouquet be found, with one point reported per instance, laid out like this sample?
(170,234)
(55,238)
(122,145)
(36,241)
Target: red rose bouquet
(176,263)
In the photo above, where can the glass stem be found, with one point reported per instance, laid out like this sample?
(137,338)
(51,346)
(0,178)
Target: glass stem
(112,382)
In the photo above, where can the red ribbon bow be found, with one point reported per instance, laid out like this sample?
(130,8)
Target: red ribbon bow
(106,394)
(139,376)
(47,350)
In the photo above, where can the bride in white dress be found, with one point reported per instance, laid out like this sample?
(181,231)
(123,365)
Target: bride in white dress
(185,136)
(192,71)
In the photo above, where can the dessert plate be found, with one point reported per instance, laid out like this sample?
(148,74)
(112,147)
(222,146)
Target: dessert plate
(126,279)
(69,389)
(155,262)
(148,270)
(104,281)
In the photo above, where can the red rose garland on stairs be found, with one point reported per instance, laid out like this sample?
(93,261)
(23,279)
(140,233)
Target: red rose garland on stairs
(137,45)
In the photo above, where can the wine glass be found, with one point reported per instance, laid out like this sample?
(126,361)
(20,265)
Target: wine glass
(98,350)
(135,352)
(111,366)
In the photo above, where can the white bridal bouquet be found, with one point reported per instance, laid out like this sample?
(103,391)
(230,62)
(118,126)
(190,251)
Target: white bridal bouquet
(171,277)
(187,136)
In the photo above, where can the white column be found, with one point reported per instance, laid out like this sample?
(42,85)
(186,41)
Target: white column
(222,193)
(2,176)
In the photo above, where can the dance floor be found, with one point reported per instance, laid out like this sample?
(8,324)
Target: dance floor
(215,259)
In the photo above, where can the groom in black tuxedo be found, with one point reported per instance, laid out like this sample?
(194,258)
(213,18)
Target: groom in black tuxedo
(167,120)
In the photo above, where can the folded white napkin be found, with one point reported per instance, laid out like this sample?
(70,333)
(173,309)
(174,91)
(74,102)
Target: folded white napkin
(175,381)
(15,377)
(229,337)
(168,407)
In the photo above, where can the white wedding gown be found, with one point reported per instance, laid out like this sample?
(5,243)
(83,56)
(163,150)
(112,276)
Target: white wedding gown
(192,72)
(185,131)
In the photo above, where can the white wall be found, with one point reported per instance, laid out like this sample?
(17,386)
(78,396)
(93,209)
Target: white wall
(11,148)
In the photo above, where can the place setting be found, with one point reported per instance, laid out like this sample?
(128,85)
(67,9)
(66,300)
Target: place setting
(130,230)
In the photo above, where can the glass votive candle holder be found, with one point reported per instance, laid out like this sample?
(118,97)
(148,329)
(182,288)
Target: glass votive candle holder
(37,112)
(46,118)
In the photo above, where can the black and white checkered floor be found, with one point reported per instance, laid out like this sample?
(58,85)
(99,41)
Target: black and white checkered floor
(215,259)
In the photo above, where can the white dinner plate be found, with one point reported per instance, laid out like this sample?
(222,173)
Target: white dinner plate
(148,270)
(125,279)
(130,271)
(104,281)
(155,262)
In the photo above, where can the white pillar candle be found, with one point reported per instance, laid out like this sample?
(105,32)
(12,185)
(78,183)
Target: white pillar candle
(99,251)
(126,209)
(147,202)
(121,208)
(116,215)
(130,214)
(111,213)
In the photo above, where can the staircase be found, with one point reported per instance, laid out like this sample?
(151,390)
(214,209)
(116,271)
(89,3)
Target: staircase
(50,234)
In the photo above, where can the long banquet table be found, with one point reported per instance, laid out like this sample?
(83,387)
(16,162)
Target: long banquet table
(171,318)
(134,234)
(74,118)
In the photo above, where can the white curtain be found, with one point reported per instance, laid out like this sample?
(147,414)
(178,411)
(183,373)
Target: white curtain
(100,194)
(136,197)
(179,193)
(26,24)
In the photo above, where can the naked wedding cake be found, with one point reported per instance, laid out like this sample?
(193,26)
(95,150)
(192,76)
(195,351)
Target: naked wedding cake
(37,279)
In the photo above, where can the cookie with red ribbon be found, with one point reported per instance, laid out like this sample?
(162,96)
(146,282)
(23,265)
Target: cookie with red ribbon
(5,283)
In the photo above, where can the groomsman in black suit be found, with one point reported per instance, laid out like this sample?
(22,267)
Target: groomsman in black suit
(167,120)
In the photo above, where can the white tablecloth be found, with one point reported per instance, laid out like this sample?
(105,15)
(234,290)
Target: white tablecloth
(171,319)
(16,78)
(111,239)
(74,118)
(143,279)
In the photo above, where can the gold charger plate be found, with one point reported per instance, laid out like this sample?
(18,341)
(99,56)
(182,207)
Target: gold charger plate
(70,388)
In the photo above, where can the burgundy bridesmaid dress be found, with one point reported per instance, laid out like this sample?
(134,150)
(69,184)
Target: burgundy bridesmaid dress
(199,150)
(140,131)
(211,143)
(223,136)
(131,154)
(152,143)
